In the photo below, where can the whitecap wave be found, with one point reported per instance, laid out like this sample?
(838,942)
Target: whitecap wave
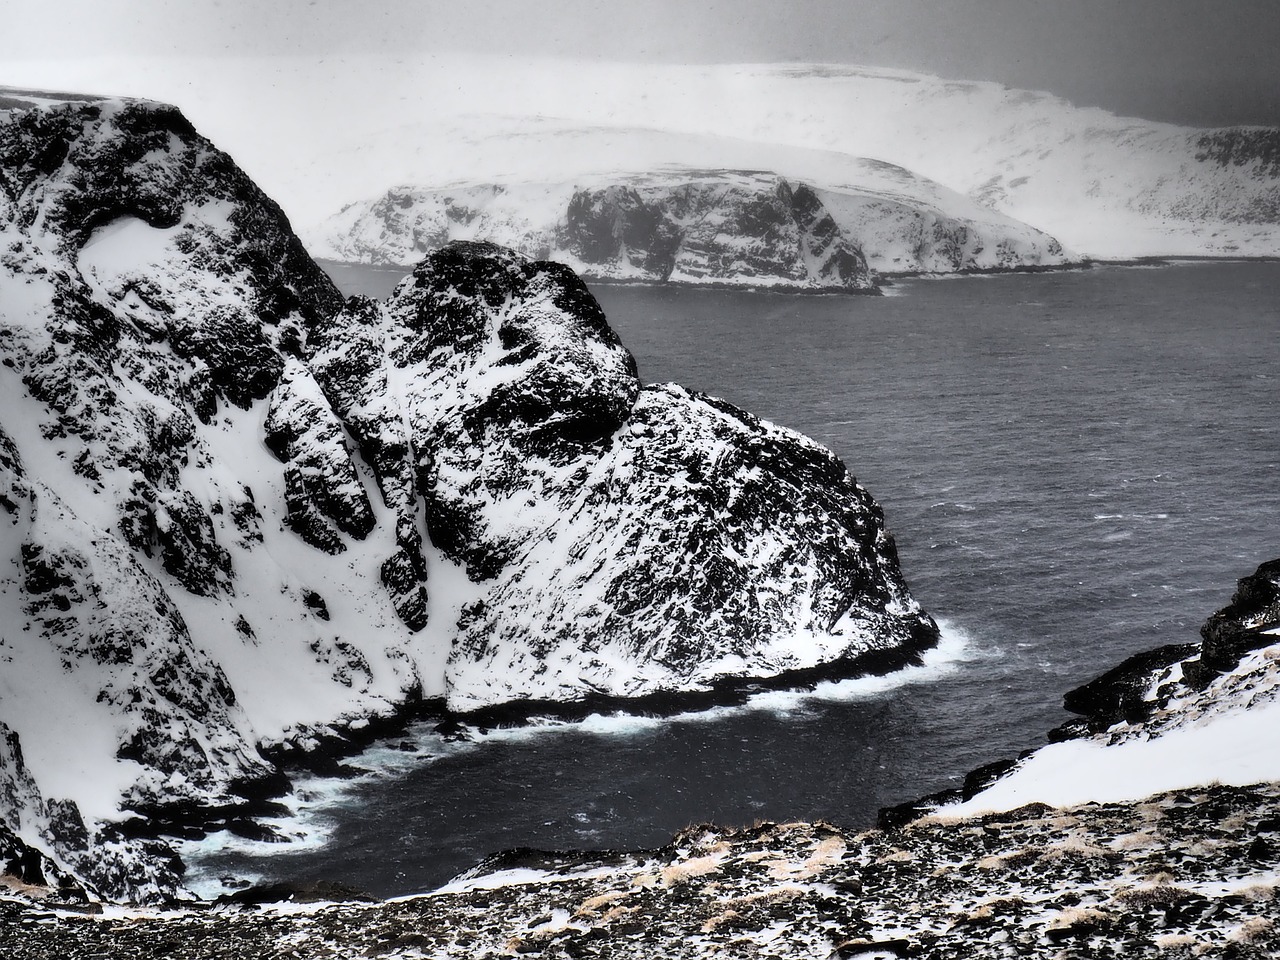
(309,822)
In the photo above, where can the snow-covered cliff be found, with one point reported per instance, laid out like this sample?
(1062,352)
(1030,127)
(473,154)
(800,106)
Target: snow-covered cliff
(156,624)
(702,227)
(1105,186)
(237,515)
(620,540)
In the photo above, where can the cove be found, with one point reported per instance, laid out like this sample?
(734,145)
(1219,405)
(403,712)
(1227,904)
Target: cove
(1076,466)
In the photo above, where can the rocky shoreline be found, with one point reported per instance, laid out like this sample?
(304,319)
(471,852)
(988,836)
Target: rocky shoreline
(1137,690)
(1189,874)
(1193,872)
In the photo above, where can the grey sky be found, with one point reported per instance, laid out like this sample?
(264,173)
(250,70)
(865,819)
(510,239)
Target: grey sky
(1191,61)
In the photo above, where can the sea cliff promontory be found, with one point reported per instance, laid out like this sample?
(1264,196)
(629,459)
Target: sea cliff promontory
(244,523)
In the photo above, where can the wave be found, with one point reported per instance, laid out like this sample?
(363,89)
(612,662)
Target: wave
(316,799)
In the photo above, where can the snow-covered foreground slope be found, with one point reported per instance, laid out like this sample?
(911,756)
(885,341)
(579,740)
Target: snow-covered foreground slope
(690,226)
(237,515)
(1175,719)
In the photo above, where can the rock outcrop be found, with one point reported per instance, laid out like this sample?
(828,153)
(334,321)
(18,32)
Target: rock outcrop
(619,540)
(1143,687)
(1199,703)
(243,522)
(717,227)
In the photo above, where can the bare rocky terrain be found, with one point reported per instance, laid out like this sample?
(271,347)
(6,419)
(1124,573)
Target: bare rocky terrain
(1191,874)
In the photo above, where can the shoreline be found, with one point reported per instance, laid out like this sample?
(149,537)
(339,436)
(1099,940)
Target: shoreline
(1120,693)
(341,742)
(885,279)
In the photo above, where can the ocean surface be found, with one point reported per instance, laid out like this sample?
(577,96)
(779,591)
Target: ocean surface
(1077,466)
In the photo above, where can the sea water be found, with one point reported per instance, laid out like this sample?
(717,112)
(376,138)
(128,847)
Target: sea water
(1077,466)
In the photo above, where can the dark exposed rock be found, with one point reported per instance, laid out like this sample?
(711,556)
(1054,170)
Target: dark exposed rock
(321,892)
(1122,692)
(114,363)
(715,231)
(404,574)
(1236,628)
(242,363)
(839,262)
(316,604)
(1140,686)
(672,529)
(323,494)
(684,578)
(606,225)
(145,160)
(1241,146)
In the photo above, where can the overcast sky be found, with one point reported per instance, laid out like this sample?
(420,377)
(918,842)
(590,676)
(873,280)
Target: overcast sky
(1203,62)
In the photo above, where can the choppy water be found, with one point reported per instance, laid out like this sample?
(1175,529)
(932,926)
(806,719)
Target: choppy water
(1077,466)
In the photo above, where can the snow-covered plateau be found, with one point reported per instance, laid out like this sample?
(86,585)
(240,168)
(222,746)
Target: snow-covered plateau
(244,521)
(911,153)
(1105,186)
(703,228)
(1169,859)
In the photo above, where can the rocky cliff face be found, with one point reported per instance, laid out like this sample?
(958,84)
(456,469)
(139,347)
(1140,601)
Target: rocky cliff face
(238,515)
(618,540)
(702,227)
(149,292)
